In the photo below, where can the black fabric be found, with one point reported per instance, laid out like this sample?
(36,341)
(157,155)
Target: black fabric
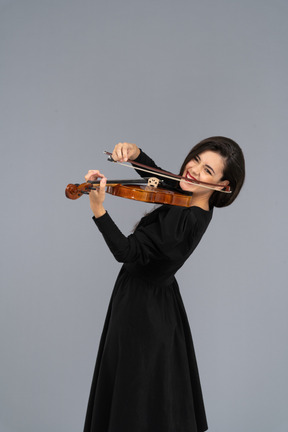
(146,377)
(146,160)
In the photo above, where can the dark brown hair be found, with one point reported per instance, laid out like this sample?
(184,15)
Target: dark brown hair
(234,166)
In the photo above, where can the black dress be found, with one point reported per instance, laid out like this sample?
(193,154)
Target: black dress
(146,377)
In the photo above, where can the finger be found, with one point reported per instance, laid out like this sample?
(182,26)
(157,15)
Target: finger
(101,190)
(90,174)
(118,152)
(125,152)
(93,175)
(103,182)
(114,153)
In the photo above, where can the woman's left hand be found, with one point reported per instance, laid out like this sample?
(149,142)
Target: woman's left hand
(97,196)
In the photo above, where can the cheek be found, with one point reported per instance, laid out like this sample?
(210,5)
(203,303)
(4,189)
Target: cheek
(188,167)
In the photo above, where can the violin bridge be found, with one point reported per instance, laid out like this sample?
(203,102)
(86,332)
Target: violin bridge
(153,183)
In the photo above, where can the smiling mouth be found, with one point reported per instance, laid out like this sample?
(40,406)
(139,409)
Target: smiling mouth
(190,177)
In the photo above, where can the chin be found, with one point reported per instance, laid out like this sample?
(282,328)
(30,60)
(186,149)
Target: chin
(187,187)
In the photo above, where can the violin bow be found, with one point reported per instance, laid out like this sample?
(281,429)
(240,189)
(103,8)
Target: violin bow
(167,174)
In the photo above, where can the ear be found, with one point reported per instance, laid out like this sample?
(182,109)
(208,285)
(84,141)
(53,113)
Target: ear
(223,184)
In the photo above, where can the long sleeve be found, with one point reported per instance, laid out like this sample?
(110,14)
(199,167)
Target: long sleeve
(167,233)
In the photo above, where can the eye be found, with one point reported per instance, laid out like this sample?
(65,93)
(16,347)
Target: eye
(208,171)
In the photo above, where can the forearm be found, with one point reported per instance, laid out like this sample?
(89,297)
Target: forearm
(117,242)
(98,211)
(144,159)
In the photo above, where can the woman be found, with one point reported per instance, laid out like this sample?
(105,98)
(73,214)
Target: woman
(146,377)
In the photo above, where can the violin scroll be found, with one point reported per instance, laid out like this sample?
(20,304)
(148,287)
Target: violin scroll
(75,191)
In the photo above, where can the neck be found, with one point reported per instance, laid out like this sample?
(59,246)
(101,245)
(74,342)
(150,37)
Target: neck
(201,201)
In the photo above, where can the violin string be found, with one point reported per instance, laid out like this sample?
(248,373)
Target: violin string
(173,178)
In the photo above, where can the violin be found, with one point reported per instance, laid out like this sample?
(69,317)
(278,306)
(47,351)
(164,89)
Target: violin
(149,193)
(133,189)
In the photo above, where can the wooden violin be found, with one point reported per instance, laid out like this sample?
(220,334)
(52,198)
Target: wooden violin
(150,193)
(133,189)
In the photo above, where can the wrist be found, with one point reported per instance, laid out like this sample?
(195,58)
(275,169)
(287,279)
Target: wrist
(98,211)
(136,153)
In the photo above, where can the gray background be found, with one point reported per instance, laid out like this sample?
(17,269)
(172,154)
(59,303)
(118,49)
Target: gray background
(76,78)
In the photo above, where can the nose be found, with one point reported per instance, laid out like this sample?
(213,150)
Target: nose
(195,170)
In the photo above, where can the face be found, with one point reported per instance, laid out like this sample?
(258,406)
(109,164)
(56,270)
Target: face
(208,167)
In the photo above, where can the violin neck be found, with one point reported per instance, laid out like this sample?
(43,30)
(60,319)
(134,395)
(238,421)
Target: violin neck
(125,182)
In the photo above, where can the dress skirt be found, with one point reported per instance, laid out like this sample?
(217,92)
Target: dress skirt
(146,377)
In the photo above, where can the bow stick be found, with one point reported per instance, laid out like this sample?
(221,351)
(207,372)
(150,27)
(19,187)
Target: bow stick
(169,175)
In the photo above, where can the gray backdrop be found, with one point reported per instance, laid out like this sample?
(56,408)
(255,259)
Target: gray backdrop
(78,76)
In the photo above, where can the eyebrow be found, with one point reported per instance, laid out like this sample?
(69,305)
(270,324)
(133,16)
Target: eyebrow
(208,166)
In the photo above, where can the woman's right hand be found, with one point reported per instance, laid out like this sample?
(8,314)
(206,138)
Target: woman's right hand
(124,151)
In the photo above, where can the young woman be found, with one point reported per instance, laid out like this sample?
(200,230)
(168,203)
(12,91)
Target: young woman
(146,377)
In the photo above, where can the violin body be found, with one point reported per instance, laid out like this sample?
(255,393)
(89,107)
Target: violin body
(148,194)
